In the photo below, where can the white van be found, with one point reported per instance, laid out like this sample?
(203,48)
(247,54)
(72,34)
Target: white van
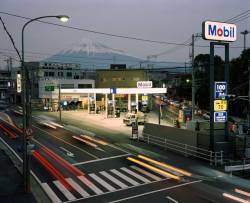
(132,117)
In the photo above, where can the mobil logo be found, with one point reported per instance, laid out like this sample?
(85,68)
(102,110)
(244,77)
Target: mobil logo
(219,31)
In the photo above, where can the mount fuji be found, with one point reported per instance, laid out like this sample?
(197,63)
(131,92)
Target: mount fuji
(95,55)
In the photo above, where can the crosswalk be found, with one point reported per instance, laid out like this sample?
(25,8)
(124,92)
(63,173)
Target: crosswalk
(99,183)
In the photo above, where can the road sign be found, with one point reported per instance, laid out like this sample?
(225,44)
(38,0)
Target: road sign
(29,131)
(220,117)
(220,105)
(220,90)
(49,88)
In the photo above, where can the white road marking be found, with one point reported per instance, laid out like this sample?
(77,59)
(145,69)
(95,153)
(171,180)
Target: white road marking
(118,190)
(64,190)
(77,187)
(114,180)
(90,185)
(68,153)
(50,193)
(139,177)
(171,199)
(66,142)
(146,173)
(102,182)
(124,177)
(102,159)
(155,191)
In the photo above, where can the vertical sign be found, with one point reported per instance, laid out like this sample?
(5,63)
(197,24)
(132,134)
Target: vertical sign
(220,90)
(18,83)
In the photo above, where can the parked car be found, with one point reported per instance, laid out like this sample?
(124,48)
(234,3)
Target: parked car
(133,117)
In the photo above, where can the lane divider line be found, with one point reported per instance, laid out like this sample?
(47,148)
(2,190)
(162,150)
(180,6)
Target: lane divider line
(93,156)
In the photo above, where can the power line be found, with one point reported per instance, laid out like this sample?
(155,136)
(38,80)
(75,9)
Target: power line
(238,16)
(10,37)
(98,32)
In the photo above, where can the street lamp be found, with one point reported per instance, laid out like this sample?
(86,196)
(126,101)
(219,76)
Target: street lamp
(27,105)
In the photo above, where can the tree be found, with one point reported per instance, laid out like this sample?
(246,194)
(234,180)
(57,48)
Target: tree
(238,83)
(202,71)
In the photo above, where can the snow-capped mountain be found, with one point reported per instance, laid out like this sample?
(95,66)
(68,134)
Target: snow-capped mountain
(91,48)
(95,55)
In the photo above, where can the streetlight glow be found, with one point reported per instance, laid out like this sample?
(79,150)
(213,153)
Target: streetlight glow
(63,18)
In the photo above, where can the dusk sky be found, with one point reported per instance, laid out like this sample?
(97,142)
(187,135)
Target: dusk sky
(161,20)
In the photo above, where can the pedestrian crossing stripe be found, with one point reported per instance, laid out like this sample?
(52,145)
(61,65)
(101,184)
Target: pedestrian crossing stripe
(121,178)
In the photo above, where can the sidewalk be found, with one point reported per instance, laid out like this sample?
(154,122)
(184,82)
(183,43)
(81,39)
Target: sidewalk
(11,183)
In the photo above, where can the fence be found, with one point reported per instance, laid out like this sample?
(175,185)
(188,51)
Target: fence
(187,150)
(35,184)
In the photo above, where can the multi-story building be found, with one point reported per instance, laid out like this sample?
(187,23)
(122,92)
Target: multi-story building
(67,75)
(126,78)
(5,84)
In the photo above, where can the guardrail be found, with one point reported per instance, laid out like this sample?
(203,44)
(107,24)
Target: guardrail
(35,184)
(187,150)
(237,166)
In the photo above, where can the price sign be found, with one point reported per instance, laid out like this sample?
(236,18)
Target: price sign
(220,105)
(220,90)
(220,117)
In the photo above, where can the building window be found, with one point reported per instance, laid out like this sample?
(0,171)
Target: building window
(103,80)
(67,86)
(51,74)
(69,74)
(46,74)
(136,79)
(81,86)
(60,74)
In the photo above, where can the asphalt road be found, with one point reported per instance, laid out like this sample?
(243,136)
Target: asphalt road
(107,175)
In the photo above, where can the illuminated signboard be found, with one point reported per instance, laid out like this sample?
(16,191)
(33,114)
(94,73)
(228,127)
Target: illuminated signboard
(220,105)
(18,83)
(218,31)
(144,84)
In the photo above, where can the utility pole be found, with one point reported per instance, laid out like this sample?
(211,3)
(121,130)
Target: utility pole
(248,94)
(59,103)
(245,32)
(194,36)
(193,78)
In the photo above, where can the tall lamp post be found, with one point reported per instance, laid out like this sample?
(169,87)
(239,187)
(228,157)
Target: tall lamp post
(27,106)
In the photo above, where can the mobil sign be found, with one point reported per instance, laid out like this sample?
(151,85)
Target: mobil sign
(218,31)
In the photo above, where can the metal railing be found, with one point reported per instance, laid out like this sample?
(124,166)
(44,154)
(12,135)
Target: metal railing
(187,150)
(239,165)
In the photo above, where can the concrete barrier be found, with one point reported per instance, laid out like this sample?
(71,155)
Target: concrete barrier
(184,136)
